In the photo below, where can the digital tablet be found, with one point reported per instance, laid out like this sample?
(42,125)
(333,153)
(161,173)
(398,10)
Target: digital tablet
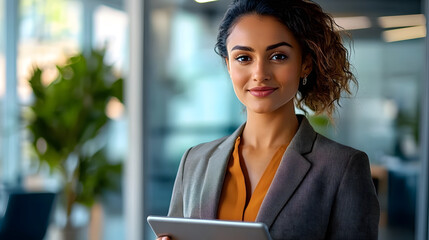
(196,229)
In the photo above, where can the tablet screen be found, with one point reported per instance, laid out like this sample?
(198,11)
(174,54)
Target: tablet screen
(196,229)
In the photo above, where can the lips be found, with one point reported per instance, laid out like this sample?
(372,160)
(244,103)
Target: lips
(262,91)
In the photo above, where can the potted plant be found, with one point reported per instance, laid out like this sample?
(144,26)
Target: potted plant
(67,122)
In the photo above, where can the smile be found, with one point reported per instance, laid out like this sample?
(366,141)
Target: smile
(261,91)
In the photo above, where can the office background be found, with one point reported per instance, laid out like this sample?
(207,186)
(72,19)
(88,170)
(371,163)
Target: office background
(178,94)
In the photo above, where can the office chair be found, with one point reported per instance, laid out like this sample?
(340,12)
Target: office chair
(26,216)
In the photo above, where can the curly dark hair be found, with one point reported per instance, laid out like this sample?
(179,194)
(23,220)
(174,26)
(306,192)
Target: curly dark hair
(318,36)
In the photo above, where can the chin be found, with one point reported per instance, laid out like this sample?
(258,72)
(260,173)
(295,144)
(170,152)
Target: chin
(268,108)
(261,110)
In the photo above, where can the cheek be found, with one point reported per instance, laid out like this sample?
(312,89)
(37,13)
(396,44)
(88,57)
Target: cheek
(291,72)
(238,83)
(238,78)
(293,86)
(289,78)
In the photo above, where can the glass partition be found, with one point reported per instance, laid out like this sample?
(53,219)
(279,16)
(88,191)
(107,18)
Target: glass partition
(383,120)
(2,76)
(110,31)
(50,31)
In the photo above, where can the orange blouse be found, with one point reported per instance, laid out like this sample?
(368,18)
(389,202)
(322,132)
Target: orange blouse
(234,204)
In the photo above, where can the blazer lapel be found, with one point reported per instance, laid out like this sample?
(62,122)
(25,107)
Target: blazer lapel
(290,173)
(292,170)
(215,174)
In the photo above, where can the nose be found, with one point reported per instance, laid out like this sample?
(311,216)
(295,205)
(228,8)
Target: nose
(261,71)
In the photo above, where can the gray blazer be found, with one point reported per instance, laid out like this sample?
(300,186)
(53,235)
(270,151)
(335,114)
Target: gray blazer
(321,190)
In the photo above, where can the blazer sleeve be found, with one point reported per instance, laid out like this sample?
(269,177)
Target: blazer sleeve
(176,203)
(356,212)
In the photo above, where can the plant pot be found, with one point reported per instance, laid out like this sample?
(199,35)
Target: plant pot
(73,227)
(70,232)
(95,231)
(83,224)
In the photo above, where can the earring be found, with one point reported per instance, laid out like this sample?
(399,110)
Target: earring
(304,81)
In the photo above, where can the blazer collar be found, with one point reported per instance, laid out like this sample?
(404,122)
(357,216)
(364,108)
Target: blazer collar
(290,173)
(215,176)
(304,138)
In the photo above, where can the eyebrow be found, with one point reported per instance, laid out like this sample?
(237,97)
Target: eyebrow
(274,46)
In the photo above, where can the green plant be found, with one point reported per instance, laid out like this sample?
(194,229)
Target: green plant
(69,116)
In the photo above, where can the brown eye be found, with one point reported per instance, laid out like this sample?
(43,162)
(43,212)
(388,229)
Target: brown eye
(243,58)
(279,57)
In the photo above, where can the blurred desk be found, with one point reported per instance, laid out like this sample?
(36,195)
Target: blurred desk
(396,183)
(380,177)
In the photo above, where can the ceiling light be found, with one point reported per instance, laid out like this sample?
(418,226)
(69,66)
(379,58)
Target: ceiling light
(404,34)
(402,21)
(204,1)
(353,23)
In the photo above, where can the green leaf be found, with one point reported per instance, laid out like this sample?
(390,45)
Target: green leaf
(69,113)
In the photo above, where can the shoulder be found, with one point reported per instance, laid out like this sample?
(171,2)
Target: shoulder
(336,157)
(198,157)
(205,161)
(317,147)
(206,148)
(329,146)
(224,144)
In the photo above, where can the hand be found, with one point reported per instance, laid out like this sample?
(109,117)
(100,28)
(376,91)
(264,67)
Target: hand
(164,238)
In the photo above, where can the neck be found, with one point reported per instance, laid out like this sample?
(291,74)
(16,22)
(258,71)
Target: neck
(270,130)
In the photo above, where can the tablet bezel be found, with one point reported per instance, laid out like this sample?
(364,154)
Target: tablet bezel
(193,229)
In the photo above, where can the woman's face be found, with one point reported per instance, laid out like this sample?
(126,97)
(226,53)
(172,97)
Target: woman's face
(265,64)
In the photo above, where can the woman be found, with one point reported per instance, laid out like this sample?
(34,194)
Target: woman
(281,54)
